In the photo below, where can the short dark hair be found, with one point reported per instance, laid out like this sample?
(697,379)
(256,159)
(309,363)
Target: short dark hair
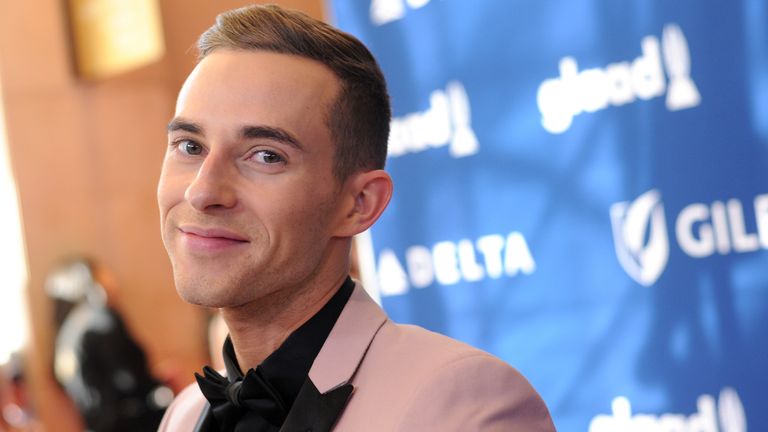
(359,117)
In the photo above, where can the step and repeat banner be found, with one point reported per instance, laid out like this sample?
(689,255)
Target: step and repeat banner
(582,190)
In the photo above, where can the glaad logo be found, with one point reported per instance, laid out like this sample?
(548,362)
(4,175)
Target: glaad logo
(447,122)
(682,91)
(590,90)
(725,416)
(632,224)
(642,244)
(385,11)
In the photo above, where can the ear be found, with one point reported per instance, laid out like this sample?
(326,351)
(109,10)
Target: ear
(366,195)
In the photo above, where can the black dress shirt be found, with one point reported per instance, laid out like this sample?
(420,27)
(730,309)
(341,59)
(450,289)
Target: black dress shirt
(277,380)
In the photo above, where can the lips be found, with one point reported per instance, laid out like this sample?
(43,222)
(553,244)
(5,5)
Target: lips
(208,240)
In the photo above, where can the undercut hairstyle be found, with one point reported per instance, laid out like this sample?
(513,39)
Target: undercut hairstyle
(359,118)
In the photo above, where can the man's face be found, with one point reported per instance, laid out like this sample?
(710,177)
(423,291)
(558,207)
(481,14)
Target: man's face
(247,194)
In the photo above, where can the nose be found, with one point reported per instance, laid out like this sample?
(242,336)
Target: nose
(214,185)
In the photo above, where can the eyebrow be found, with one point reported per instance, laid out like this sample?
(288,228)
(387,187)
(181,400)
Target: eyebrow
(247,132)
(187,126)
(273,133)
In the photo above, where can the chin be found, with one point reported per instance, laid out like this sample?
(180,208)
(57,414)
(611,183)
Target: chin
(198,291)
(202,290)
(193,296)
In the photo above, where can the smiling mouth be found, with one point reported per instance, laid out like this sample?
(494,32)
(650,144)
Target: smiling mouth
(210,240)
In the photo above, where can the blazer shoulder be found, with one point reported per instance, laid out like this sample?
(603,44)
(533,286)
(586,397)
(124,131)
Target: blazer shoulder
(477,392)
(454,386)
(411,339)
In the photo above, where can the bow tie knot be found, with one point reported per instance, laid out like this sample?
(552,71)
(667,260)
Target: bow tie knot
(245,397)
(233,393)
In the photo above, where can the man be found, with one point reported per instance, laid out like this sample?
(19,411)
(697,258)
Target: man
(274,163)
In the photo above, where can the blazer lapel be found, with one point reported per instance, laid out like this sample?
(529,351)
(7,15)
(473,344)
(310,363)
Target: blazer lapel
(205,421)
(348,342)
(327,391)
(315,411)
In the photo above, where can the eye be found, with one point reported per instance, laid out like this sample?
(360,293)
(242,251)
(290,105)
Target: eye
(268,157)
(189,147)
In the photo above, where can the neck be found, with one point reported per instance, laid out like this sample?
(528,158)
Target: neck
(257,329)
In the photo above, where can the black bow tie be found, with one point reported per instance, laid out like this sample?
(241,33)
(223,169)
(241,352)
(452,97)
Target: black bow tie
(247,404)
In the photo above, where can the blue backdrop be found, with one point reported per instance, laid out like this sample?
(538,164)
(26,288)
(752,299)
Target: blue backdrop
(582,190)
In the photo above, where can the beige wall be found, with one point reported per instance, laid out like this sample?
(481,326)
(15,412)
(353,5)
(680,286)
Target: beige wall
(86,157)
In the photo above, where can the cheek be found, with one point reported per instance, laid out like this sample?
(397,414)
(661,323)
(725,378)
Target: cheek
(313,214)
(299,217)
(170,191)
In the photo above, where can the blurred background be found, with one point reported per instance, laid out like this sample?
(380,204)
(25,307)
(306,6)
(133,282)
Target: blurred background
(581,190)
(88,87)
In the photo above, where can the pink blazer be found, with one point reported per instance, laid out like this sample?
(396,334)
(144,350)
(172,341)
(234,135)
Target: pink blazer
(403,378)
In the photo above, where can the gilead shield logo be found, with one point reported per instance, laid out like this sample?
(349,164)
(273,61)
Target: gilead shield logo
(640,237)
(701,230)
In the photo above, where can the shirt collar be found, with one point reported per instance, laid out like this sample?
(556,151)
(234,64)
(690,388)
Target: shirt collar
(287,367)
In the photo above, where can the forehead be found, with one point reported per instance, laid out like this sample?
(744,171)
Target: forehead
(236,87)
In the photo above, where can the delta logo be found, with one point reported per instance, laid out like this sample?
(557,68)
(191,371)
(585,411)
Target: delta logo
(642,238)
